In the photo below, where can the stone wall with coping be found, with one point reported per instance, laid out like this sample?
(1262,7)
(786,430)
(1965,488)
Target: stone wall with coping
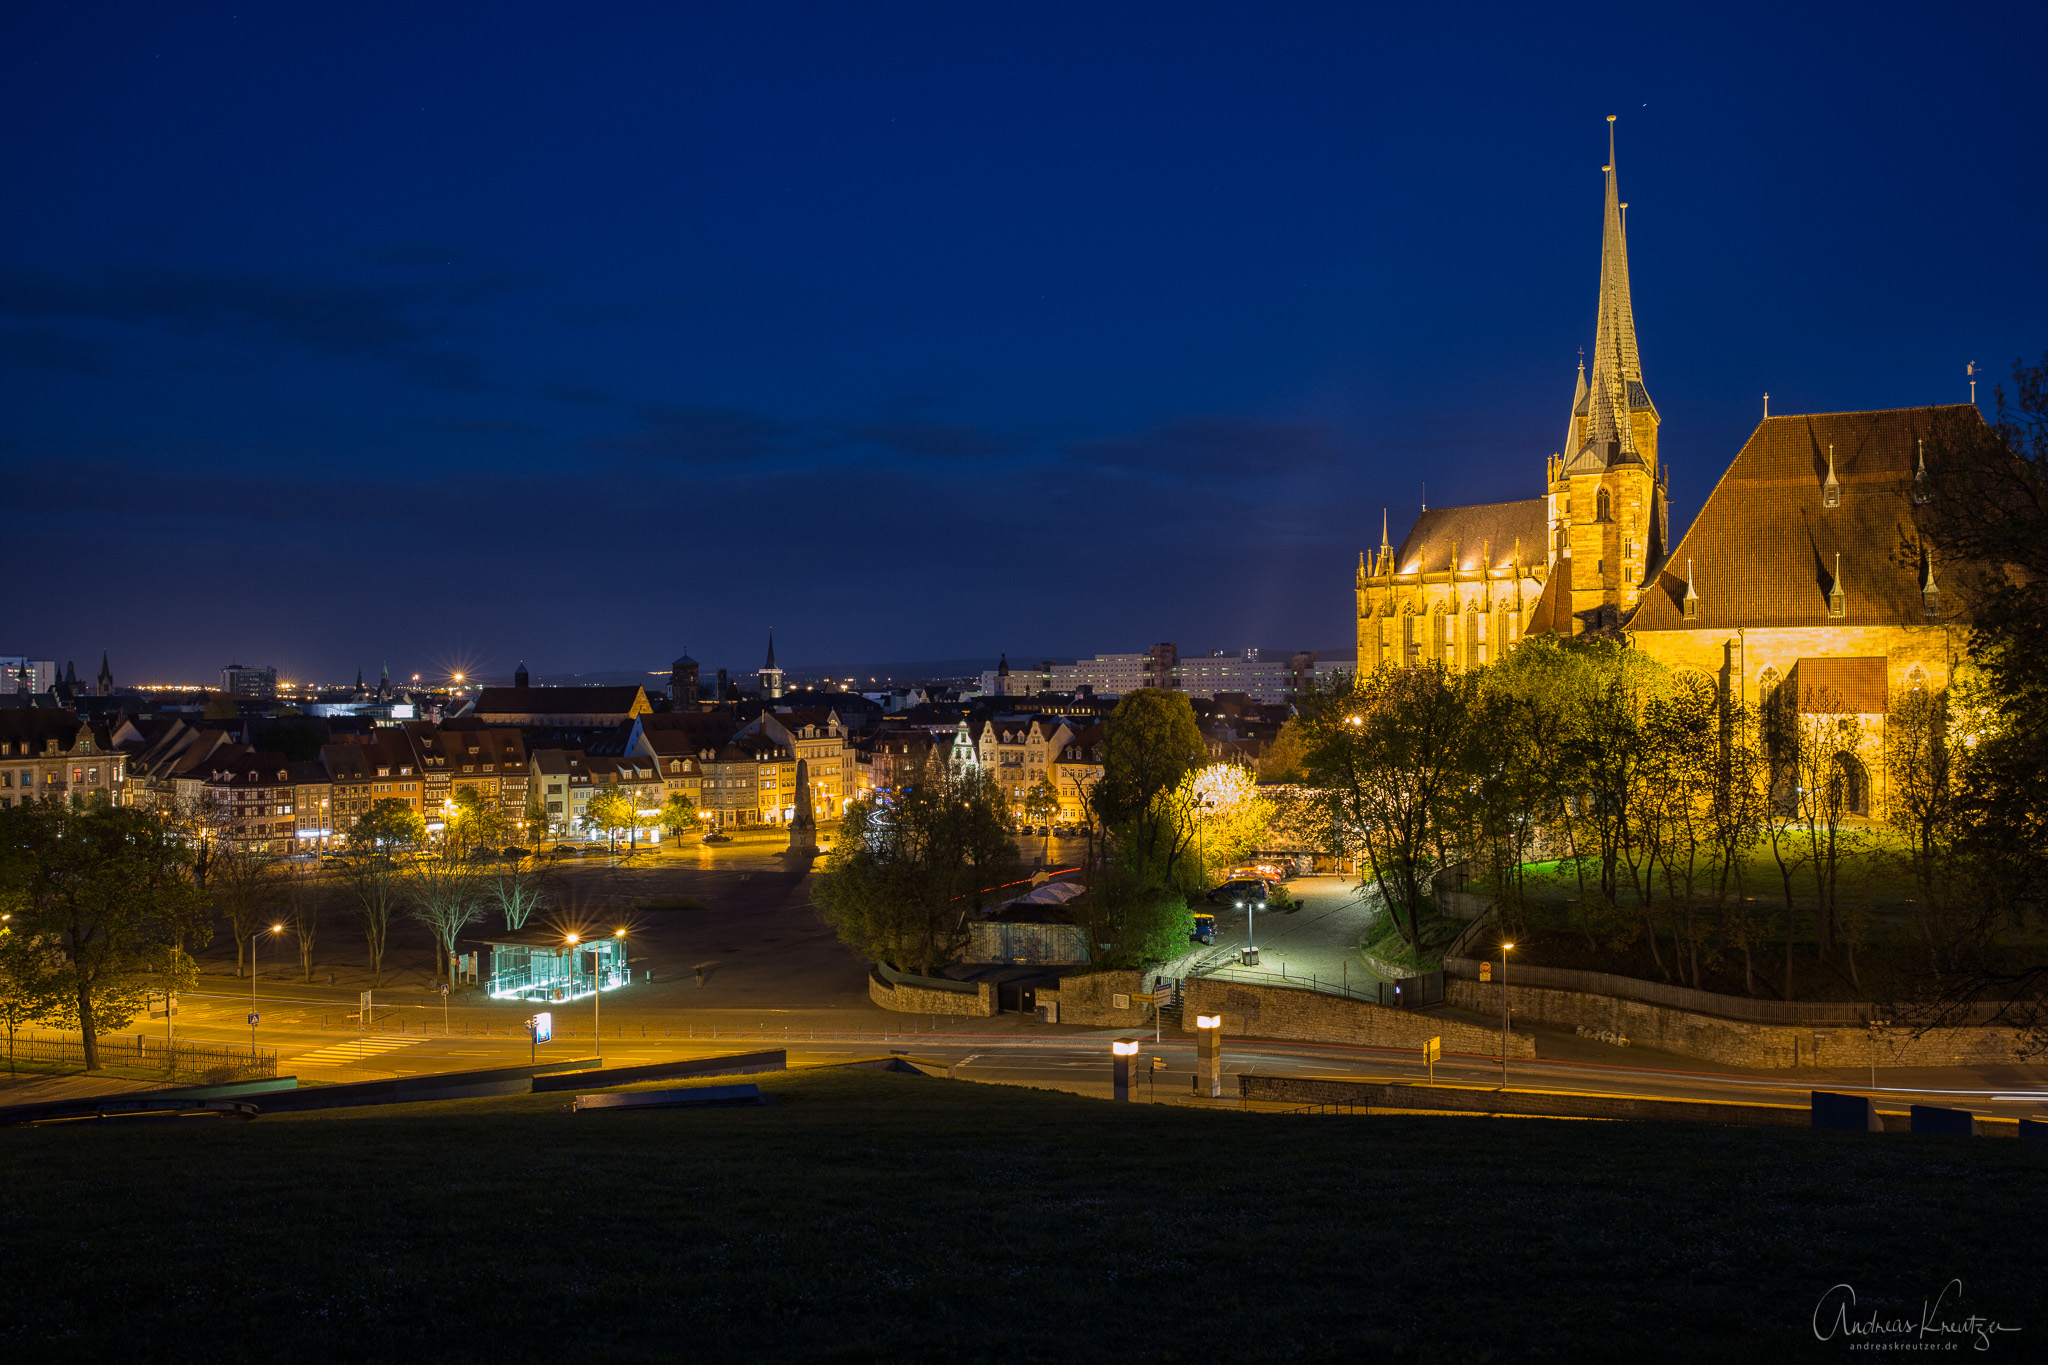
(1090,999)
(1258,1011)
(1737,1043)
(909,999)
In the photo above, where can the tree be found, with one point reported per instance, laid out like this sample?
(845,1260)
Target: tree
(1281,762)
(445,892)
(1229,813)
(520,886)
(1042,806)
(611,810)
(305,898)
(110,891)
(245,887)
(907,870)
(474,822)
(374,885)
(1150,743)
(1385,766)
(28,985)
(388,823)
(678,815)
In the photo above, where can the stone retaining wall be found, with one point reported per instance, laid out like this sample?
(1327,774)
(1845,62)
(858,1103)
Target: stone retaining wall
(1090,999)
(1734,1042)
(1545,1103)
(908,999)
(1255,1011)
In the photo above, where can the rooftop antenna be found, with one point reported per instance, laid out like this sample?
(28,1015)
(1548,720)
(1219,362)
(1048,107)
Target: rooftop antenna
(1971,370)
(1425,484)
(1767,405)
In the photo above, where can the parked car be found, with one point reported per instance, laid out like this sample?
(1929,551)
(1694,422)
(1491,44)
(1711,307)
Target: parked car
(516,852)
(566,851)
(716,838)
(1239,892)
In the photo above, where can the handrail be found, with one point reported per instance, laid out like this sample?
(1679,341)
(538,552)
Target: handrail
(937,983)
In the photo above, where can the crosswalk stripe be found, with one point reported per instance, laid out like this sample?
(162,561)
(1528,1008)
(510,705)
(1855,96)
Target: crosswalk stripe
(337,1054)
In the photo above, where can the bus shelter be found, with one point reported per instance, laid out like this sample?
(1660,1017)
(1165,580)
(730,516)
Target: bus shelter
(542,964)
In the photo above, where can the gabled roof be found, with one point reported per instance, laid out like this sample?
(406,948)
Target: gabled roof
(1763,549)
(1485,535)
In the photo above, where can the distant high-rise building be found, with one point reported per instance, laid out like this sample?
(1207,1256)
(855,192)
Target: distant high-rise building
(19,673)
(240,680)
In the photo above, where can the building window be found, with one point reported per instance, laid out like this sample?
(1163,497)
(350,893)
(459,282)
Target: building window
(1837,601)
(1603,508)
(1692,608)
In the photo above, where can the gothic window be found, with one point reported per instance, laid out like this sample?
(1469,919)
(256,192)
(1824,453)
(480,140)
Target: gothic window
(1917,679)
(1604,508)
(1411,647)
(1850,791)
(1475,643)
(1500,631)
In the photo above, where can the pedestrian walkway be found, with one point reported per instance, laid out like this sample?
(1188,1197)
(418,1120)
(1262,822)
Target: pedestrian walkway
(353,1051)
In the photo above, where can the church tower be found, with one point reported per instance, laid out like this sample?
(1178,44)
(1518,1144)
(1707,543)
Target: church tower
(1606,491)
(770,677)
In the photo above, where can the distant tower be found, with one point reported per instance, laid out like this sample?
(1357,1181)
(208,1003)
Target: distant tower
(724,686)
(1606,489)
(106,678)
(770,676)
(1003,674)
(384,684)
(70,674)
(682,680)
(519,678)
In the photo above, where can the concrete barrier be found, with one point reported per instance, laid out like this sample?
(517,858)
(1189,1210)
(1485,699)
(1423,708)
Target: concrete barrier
(731,1064)
(973,1000)
(1845,1113)
(1928,1118)
(1262,1011)
(444,1085)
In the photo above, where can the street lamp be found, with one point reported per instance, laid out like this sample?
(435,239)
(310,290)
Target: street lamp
(1505,949)
(274,929)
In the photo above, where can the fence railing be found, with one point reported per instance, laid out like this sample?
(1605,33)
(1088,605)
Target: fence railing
(177,1060)
(1256,977)
(1834,1013)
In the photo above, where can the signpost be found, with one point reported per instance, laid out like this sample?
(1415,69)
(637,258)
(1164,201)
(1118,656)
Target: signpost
(1432,1050)
(539,1029)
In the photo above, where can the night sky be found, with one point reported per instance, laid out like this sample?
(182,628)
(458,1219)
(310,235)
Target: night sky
(457,335)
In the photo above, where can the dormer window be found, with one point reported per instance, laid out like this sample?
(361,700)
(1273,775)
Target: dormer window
(1831,491)
(1838,602)
(1930,601)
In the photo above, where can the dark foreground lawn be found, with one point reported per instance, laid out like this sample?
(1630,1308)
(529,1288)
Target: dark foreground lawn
(873,1216)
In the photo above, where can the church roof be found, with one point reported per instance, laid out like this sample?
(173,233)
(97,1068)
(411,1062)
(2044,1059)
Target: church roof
(1489,528)
(1763,549)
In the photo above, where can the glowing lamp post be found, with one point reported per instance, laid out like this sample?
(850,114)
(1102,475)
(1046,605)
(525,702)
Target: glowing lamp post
(1124,1066)
(1209,1054)
(274,929)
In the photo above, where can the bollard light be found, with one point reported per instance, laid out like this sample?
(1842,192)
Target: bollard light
(1123,1069)
(1209,1055)
(1208,1021)
(1129,1049)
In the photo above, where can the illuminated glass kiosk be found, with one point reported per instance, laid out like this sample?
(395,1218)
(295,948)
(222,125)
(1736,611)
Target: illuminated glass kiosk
(542,964)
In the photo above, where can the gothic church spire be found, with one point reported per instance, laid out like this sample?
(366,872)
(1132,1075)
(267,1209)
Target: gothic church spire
(1605,433)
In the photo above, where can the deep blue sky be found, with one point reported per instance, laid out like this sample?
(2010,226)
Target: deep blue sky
(453,335)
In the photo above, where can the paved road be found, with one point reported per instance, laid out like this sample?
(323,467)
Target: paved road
(1011,1050)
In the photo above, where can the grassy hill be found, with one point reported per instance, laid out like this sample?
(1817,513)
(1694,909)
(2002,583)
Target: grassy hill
(878,1216)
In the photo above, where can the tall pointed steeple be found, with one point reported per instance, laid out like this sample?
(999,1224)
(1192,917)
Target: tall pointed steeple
(771,648)
(1603,430)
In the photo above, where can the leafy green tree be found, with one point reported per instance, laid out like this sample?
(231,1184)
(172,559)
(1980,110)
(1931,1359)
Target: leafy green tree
(1229,813)
(388,823)
(904,877)
(1385,768)
(474,821)
(678,815)
(28,983)
(611,811)
(1151,743)
(110,890)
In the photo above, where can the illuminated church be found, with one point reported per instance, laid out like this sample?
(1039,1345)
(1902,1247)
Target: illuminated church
(1792,572)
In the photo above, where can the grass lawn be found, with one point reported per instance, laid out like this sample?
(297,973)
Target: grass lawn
(877,1216)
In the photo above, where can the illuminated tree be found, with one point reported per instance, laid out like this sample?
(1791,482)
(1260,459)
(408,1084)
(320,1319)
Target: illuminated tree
(678,815)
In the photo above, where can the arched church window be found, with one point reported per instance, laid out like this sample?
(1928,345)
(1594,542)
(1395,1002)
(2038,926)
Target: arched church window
(1604,508)
(1475,641)
(1917,679)
(1850,791)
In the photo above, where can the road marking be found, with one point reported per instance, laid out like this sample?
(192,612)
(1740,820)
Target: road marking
(341,1054)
